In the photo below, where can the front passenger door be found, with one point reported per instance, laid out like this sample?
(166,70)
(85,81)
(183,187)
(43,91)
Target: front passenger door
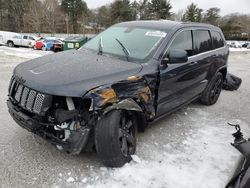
(25,41)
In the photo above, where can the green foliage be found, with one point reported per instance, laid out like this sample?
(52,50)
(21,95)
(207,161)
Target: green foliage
(75,9)
(121,11)
(103,16)
(193,14)
(234,25)
(143,10)
(160,9)
(212,16)
(73,15)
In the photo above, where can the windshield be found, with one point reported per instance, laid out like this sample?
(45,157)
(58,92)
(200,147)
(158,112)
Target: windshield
(140,42)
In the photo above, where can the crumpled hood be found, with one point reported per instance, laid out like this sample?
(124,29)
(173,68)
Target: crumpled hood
(74,72)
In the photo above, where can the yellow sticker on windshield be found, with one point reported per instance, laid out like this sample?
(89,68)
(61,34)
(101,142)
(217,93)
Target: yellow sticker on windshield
(156,34)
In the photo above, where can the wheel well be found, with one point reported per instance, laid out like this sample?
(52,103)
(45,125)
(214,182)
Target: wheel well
(141,120)
(130,105)
(9,41)
(223,72)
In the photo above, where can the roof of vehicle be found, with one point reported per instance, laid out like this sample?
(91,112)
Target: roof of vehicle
(164,24)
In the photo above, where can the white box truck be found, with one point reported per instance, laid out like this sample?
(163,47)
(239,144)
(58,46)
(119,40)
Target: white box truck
(4,35)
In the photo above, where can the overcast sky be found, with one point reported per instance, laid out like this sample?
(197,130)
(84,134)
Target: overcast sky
(226,6)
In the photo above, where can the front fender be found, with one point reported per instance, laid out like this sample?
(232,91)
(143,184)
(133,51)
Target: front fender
(132,94)
(126,104)
(131,105)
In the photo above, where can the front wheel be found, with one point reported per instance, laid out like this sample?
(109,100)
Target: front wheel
(212,92)
(115,137)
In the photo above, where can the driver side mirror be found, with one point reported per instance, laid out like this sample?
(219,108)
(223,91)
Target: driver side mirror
(175,56)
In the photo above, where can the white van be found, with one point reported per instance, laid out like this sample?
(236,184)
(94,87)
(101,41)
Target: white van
(6,34)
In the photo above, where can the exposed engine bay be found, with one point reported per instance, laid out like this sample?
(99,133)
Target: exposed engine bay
(71,124)
(66,122)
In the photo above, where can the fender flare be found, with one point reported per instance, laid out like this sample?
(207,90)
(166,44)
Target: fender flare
(126,104)
(130,104)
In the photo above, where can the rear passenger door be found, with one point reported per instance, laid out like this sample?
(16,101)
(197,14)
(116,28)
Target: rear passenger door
(201,61)
(220,53)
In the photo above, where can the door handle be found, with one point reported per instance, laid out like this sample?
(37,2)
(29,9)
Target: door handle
(192,63)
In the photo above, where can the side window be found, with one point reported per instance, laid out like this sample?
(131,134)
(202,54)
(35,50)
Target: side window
(183,41)
(202,41)
(31,38)
(25,37)
(218,41)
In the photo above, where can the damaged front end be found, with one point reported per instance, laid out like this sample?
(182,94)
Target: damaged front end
(64,121)
(69,122)
(66,124)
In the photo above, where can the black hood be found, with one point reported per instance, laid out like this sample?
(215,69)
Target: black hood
(74,72)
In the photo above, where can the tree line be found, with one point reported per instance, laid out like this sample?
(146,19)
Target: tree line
(72,16)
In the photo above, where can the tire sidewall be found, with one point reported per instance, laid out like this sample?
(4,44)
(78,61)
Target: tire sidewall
(10,44)
(206,97)
(107,140)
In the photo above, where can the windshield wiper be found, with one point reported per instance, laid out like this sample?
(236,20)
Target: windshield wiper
(100,46)
(124,49)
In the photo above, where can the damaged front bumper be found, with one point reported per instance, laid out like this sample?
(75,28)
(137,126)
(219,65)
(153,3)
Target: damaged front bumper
(74,145)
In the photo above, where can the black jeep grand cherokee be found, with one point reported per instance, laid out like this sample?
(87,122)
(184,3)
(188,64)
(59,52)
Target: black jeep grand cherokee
(100,96)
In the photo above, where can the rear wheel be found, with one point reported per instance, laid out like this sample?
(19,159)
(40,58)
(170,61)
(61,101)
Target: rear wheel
(212,92)
(10,44)
(115,137)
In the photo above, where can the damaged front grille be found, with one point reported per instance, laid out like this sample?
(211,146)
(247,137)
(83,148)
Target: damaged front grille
(29,99)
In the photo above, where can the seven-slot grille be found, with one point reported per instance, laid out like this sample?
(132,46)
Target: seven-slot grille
(27,98)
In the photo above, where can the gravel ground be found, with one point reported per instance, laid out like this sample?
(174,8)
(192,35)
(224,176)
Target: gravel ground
(190,148)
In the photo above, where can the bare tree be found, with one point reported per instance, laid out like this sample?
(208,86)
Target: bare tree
(33,18)
(53,17)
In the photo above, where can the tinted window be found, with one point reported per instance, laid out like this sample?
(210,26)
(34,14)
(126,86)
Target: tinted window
(25,37)
(183,41)
(202,41)
(218,41)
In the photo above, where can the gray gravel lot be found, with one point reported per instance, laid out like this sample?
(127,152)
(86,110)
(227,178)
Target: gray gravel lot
(28,161)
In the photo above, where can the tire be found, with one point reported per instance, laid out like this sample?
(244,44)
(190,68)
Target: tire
(115,138)
(212,92)
(10,44)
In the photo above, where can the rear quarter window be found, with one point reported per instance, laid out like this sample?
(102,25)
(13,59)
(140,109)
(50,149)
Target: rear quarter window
(202,41)
(217,39)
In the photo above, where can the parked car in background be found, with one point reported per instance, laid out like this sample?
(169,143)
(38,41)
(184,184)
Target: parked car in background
(245,44)
(39,44)
(53,45)
(21,40)
(57,46)
(100,96)
(234,44)
(5,34)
